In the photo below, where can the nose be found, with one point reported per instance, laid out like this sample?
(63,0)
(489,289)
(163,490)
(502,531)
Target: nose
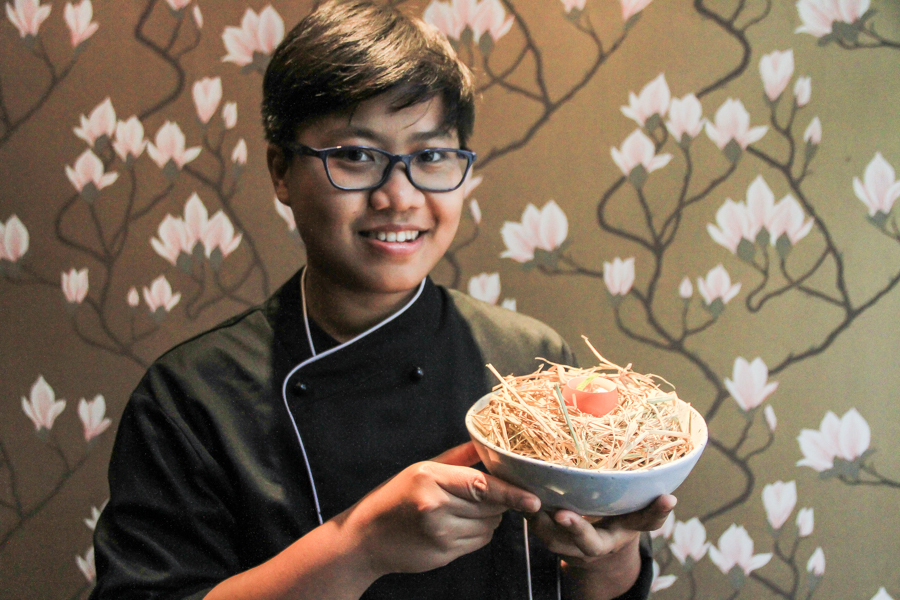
(397,193)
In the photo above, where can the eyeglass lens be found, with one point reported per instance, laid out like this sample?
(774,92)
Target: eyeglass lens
(361,168)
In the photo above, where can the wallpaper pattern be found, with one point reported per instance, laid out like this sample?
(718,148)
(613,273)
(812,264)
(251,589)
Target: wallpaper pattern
(701,229)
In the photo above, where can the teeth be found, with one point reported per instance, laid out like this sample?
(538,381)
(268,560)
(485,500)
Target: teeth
(393,236)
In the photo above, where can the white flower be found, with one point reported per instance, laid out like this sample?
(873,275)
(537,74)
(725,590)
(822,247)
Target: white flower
(544,229)
(239,154)
(802,91)
(805,522)
(41,406)
(653,100)
(619,276)
(879,188)
(14,239)
(86,565)
(735,549)
(776,69)
(101,122)
(717,286)
(816,563)
(685,289)
(660,582)
(509,304)
(93,417)
(638,149)
(27,16)
(732,122)
(485,287)
(779,499)
(689,541)
(159,295)
(813,133)
(685,117)
(75,285)
(748,385)
(207,94)
(847,437)
(230,114)
(771,419)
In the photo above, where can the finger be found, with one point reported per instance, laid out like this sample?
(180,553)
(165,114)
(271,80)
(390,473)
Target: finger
(590,542)
(463,455)
(486,492)
(649,518)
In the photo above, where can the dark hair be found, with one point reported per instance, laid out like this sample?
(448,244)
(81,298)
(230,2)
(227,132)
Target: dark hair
(347,52)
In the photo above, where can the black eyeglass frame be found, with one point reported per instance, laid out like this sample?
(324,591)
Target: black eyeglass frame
(393,159)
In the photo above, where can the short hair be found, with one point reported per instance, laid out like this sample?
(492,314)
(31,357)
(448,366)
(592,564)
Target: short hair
(348,51)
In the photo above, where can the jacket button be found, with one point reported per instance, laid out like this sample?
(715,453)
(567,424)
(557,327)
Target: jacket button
(300,388)
(417,374)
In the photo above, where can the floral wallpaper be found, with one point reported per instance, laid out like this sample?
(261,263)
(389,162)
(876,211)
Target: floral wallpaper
(704,188)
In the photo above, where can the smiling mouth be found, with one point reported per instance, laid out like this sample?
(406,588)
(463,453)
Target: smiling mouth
(392,236)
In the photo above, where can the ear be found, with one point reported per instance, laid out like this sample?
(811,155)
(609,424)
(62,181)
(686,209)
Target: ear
(279,167)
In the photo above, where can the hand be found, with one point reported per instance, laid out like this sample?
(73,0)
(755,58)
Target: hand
(433,512)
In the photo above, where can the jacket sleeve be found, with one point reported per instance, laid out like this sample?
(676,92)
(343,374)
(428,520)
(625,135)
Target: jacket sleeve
(165,532)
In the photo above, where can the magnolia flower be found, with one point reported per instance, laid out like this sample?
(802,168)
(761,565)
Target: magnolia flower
(776,69)
(133,298)
(219,234)
(257,35)
(86,565)
(813,133)
(653,100)
(735,549)
(490,18)
(771,419)
(717,286)
(882,595)
(239,154)
(879,188)
(197,16)
(449,18)
(172,240)
(177,5)
(779,499)
(685,289)
(544,229)
(13,239)
(685,117)
(75,285)
(129,142)
(732,122)
(619,275)
(509,304)
(802,91)
(475,211)
(229,114)
(660,583)
(733,222)
(689,541)
(91,521)
(760,205)
(159,295)
(818,16)
(88,172)
(633,7)
(805,522)
(207,94)
(847,438)
(485,287)
(196,219)
(102,122)
(285,213)
(78,20)
(93,417)
(788,219)
(27,16)
(749,386)
(816,563)
(665,531)
(169,147)
(638,149)
(42,407)
(569,5)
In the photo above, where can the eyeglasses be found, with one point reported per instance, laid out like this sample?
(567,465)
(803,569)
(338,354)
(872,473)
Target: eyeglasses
(359,168)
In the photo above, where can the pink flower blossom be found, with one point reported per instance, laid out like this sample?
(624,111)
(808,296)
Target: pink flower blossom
(802,91)
(230,114)
(879,188)
(196,219)
(665,531)
(749,384)
(285,213)
(717,286)
(133,298)
(685,117)
(788,219)
(638,149)
(733,222)
(818,16)
(91,521)
(816,563)
(619,276)
(689,541)
(485,287)
(86,565)
(776,70)
(177,5)
(41,406)
(847,438)
(779,499)
(207,94)
(882,595)
(169,146)
(660,582)
(732,122)
(633,7)
(27,16)
(93,417)
(805,522)
(14,239)
(129,142)
(88,170)
(569,5)
(257,35)
(172,240)
(509,304)
(490,18)
(239,154)
(197,16)
(219,234)
(79,21)
(544,229)
(685,289)
(159,295)
(771,419)
(75,285)
(735,549)
(760,205)
(653,100)
(448,17)
(475,211)
(813,133)
(102,122)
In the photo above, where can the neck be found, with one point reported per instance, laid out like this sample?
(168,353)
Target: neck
(345,313)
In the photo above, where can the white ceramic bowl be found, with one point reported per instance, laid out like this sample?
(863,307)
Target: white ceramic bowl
(587,492)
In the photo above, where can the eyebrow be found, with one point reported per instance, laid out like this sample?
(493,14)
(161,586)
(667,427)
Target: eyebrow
(377,138)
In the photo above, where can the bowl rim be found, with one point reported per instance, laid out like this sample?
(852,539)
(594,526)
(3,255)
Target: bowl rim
(473,432)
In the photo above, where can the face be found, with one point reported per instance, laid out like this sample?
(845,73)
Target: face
(352,238)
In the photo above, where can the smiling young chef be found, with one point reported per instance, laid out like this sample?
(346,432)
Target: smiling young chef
(285,453)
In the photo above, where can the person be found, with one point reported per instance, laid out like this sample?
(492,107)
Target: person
(314,447)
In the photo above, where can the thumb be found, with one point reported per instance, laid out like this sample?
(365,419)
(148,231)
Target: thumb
(463,455)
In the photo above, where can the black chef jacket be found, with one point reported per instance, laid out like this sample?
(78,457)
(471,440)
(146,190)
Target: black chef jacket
(224,440)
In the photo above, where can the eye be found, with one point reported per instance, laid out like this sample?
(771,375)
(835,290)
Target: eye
(354,154)
(434,156)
